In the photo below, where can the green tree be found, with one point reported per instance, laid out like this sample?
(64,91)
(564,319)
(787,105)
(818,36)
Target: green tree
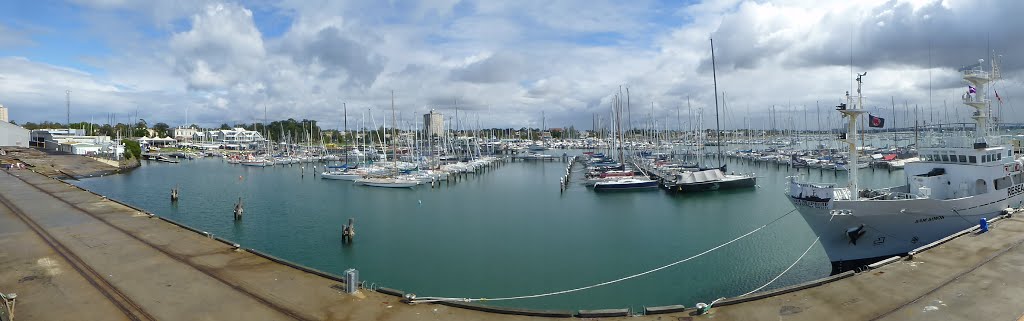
(161,129)
(225,126)
(132,148)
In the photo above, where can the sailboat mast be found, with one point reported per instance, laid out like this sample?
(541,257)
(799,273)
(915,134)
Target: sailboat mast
(714,78)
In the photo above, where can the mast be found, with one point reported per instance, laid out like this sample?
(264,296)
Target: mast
(978,78)
(853,111)
(394,123)
(344,107)
(714,77)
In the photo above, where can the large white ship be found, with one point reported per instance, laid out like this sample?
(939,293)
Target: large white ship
(957,181)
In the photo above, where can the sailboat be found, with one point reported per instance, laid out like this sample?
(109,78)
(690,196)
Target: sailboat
(713,178)
(623,183)
(956,183)
(392,181)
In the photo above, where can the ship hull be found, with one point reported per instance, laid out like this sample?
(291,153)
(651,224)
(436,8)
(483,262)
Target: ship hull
(858,233)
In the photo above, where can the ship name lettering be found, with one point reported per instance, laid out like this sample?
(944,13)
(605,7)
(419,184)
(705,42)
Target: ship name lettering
(1015,190)
(813,204)
(929,219)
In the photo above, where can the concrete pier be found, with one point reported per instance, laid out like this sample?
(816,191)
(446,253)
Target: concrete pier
(68,252)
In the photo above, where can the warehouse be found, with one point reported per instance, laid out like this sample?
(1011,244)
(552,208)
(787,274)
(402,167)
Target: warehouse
(13,135)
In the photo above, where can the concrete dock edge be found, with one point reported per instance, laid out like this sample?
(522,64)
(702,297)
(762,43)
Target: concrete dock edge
(511,311)
(664,309)
(788,289)
(602,313)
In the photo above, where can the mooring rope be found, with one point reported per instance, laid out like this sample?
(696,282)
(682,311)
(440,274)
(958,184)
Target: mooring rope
(787,269)
(439,299)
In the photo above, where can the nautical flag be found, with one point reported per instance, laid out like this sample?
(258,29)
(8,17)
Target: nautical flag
(1000,99)
(875,121)
(972,90)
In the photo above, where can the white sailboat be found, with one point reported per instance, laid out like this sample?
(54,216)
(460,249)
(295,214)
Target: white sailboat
(392,181)
(952,187)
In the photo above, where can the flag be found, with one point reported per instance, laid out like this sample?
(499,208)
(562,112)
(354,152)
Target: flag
(875,121)
(1000,99)
(972,90)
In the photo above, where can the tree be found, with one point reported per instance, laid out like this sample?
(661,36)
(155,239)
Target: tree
(225,126)
(132,148)
(161,129)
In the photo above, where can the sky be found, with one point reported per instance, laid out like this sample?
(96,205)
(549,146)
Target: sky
(501,63)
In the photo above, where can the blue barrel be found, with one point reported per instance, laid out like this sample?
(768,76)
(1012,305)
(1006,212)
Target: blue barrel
(983,225)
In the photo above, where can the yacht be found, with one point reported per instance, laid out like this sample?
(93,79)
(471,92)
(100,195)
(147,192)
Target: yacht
(954,184)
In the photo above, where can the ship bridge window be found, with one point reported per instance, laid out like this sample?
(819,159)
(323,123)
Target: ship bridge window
(963,158)
(984,158)
(974,159)
(1002,182)
(945,158)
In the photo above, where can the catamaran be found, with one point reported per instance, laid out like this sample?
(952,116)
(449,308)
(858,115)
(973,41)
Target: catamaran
(956,183)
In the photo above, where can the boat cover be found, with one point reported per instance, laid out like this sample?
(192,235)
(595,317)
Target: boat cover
(700,176)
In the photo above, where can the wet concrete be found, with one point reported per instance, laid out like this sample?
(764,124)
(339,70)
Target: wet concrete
(174,274)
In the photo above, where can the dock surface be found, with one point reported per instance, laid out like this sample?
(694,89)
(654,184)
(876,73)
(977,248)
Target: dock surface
(70,254)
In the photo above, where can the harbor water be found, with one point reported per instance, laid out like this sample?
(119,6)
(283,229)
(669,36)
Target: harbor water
(505,232)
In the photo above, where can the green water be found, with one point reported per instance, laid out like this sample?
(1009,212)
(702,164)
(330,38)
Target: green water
(505,232)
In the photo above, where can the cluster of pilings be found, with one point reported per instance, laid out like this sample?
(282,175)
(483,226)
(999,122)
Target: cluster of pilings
(563,183)
(455,177)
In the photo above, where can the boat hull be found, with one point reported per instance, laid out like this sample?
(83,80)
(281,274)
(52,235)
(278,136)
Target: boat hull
(610,186)
(745,182)
(857,233)
(342,177)
(388,183)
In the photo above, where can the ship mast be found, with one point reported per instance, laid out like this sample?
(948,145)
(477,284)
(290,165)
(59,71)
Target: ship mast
(852,112)
(978,78)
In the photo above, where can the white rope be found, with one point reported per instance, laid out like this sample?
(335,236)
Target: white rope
(786,270)
(438,299)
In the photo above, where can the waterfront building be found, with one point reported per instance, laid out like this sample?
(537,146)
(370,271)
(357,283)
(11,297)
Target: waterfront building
(3,114)
(183,134)
(13,135)
(236,138)
(74,141)
(433,123)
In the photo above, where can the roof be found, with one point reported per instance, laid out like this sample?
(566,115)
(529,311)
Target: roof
(8,126)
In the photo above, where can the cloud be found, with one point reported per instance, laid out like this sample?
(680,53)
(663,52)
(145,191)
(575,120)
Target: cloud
(222,48)
(10,38)
(507,62)
(501,67)
(339,55)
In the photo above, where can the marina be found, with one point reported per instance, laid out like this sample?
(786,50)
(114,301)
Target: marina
(201,161)
(405,234)
(959,280)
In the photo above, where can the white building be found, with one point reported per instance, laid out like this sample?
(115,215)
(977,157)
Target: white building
(13,135)
(183,134)
(237,138)
(74,141)
(3,114)
(433,123)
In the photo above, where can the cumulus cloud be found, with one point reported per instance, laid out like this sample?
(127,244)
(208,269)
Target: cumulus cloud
(506,62)
(222,47)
